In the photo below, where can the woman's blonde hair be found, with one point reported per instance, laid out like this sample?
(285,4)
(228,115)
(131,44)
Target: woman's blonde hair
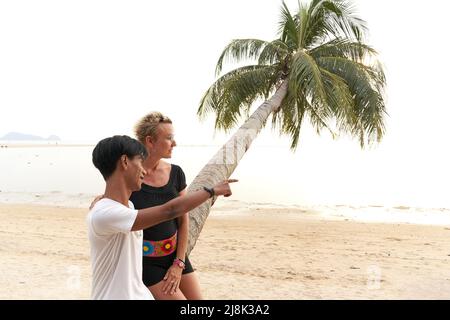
(148,125)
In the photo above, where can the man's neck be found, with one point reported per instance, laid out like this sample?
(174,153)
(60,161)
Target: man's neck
(117,190)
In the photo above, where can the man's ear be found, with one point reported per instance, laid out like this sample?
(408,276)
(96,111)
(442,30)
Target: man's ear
(124,161)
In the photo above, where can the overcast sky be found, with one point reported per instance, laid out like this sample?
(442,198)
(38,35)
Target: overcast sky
(87,69)
(84,70)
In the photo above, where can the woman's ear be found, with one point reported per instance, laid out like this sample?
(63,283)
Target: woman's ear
(149,141)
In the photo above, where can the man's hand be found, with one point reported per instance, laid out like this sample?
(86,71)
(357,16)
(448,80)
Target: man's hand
(223,188)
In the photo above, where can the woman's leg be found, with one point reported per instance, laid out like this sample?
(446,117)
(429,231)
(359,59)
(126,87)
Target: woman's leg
(190,286)
(158,293)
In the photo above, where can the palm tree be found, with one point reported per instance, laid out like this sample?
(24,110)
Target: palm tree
(320,70)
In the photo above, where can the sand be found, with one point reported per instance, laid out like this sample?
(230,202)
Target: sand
(243,253)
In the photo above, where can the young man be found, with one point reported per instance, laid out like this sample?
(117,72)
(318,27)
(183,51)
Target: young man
(115,227)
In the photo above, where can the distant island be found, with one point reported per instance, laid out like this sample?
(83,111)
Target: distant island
(17,136)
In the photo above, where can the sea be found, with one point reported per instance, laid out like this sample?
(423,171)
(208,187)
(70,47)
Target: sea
(62,174)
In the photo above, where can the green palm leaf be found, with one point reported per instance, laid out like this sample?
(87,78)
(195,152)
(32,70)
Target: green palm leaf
(320,71)
(305,77)
(363,82)
(288,29)
(235,92)
(344,48)
(241,49)
(274,52)
(334,78)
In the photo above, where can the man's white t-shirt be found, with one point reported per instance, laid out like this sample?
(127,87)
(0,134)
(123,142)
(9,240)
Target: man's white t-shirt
(116,252)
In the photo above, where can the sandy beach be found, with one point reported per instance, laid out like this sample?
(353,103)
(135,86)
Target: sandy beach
(243,253)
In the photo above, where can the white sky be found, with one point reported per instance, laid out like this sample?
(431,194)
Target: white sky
(84,70)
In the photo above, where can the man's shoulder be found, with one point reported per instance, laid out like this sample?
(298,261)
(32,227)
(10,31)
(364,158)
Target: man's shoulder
(109,216)
(106,205)
(103,204)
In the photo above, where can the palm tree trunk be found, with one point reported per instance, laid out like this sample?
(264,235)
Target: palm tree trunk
(222,165)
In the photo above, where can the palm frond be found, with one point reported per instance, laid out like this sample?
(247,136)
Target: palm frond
(287,29)
(329,19)
(363,82)
(339,99)
(334,79)
(302,19)
(355,71)
(317,120)
(317,30)
(240,49)
(273,52)
(305,77)
(344,48)
(235,92)
(289,117)
(342,20)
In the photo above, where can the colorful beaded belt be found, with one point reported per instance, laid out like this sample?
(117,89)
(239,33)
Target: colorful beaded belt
(160,248)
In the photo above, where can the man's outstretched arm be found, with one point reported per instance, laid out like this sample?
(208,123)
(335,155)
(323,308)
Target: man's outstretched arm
(177,207)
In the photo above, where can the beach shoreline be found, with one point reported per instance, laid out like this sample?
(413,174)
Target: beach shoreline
(359,213)
(253,252)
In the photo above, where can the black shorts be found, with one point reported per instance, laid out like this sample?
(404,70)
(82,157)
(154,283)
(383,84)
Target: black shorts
(155,268)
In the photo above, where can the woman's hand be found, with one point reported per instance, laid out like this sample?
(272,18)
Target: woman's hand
(95,201)
(172,279)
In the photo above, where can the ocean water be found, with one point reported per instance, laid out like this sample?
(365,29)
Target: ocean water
(63,175)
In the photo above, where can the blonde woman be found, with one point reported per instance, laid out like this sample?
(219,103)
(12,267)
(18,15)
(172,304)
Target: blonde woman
(167,272)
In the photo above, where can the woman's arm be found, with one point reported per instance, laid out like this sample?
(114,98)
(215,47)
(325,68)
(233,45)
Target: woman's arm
(173,274)
(183,232)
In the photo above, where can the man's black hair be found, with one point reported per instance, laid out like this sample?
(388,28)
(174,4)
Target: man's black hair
(109,150)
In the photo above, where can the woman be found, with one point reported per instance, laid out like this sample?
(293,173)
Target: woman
(167,272)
